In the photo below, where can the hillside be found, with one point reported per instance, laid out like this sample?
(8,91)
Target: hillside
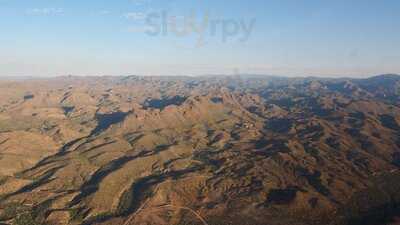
(198,150)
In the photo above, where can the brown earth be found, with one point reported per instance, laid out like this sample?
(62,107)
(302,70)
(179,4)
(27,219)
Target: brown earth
(205,150)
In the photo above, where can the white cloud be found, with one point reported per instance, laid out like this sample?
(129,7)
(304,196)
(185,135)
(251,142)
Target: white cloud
(134,15)
(104,12)
(45,11)
(139,29)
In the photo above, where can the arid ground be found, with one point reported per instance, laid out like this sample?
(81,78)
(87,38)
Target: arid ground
(249,150)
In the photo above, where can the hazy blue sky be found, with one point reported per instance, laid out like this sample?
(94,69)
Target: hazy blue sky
(120,37)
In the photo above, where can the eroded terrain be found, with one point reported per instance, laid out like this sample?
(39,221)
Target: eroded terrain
(206,150)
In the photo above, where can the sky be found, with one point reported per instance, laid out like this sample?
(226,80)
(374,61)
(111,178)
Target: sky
(199,37)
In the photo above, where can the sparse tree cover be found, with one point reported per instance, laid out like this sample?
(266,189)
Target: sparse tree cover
(200,150)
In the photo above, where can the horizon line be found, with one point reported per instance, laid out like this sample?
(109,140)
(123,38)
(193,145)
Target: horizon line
(198,76)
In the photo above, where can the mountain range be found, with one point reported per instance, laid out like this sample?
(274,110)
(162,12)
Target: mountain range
(240,150)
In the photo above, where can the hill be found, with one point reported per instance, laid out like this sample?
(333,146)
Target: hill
(197,150)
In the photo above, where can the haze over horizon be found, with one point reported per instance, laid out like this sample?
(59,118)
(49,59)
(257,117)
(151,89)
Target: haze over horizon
(148,37)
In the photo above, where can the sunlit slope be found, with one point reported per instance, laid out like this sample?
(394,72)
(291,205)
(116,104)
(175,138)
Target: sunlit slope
(131,150)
